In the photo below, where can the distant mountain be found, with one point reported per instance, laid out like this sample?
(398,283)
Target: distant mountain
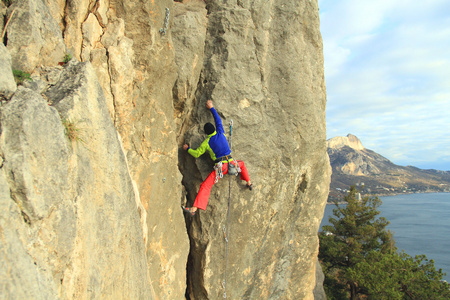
(352,164)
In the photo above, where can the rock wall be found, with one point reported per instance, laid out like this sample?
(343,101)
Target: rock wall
(98,215)
(70,227)
(263,68)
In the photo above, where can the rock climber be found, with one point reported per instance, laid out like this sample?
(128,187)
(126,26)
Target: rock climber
(219,150)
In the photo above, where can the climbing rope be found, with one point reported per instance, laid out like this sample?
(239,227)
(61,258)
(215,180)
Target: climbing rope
(226,230)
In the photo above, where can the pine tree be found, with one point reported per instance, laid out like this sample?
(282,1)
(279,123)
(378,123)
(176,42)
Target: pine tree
(399,276)
(359,257)
(353,234)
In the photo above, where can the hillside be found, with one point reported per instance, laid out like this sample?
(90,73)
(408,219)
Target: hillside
(353,164)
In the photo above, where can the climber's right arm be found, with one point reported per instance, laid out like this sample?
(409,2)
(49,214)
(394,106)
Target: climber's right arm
(200,150)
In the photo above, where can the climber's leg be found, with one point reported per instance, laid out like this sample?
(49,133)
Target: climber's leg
(244,172)
(201,201)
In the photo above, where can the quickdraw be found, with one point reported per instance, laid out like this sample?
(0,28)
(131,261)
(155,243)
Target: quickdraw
(233,168)
(166,22)
(219,172)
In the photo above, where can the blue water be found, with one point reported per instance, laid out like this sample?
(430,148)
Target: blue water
(420,224)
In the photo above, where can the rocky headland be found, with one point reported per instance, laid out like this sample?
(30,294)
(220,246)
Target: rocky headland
(97,98)
(371,173)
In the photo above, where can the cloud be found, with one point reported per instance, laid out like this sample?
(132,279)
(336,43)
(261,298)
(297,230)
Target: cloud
(387,69)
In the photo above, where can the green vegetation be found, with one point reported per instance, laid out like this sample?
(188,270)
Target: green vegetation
(359,258)
(67,58)
(21,76)
(72,131)
(399,276)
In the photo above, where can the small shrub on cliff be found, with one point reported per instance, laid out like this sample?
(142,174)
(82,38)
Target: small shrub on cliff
(67,58)
(72,131)
(21,76)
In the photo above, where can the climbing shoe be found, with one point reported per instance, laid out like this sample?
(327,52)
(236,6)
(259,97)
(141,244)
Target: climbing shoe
(188,211)
(250,187)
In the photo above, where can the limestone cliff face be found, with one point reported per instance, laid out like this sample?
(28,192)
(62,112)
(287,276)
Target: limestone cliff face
(360,162)
(263,67)
(350,140)
(99,216)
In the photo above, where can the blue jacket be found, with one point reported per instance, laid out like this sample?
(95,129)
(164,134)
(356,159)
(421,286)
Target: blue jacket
(216,143)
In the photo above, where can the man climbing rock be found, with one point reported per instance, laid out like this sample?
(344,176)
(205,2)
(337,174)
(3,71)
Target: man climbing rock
(217,146)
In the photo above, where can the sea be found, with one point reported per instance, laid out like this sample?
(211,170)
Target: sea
(420,224)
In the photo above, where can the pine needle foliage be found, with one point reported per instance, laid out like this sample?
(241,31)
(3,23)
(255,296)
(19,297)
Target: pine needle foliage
(360,260)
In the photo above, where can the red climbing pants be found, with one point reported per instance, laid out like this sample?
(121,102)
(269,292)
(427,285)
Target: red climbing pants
(205,188)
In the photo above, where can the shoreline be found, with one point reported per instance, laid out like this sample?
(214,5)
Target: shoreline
(393,194)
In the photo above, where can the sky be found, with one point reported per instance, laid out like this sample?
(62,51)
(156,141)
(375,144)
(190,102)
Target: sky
(387,74)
